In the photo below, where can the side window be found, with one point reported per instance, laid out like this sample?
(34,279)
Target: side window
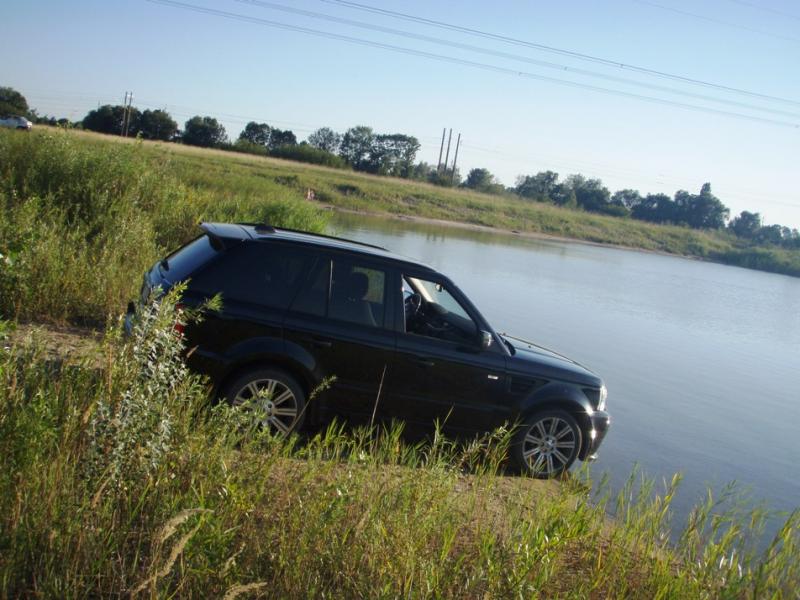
(431,310)
(357,294)
(257,273)
(312,299)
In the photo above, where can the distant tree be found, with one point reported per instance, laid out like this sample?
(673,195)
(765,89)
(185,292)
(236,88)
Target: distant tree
(157,125)
(421,171)
(537,187)
(700,211)
(110,119)
(279,138)
(356,147)
(256,133)
(656,208)
(325,139)
(563,195)
(393,154)
(482,180)
(590,194)
(12,103)
(204,131)
(627,198)
(746,225)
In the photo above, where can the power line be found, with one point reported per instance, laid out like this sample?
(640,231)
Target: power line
(717,21)
(487,51)
(561,51)
(469,63)
(766,9)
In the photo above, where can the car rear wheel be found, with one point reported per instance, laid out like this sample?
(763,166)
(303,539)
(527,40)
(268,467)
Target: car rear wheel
(547,444)
(276,399)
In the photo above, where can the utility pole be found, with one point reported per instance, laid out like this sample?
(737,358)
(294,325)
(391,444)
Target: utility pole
(447,156)
(127,119)
(441,149)
(124,113)
(455,159)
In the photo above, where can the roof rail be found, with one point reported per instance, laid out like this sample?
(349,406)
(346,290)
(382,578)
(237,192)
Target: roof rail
(265,228)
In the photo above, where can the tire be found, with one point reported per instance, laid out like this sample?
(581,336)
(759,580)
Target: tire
(279,399)
(547,444)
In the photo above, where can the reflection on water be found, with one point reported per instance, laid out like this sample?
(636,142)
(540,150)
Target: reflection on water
(702,361)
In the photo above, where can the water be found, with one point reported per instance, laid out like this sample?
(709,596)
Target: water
(702,361)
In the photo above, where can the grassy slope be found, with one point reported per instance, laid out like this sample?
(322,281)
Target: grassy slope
(226,173)
(96,500)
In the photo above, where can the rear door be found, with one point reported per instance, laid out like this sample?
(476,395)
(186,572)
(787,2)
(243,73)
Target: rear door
(342,318)
(256,281)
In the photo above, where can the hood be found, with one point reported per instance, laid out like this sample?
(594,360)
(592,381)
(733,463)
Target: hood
(531,359)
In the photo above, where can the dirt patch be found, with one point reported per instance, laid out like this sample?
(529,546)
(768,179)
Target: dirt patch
(58,342)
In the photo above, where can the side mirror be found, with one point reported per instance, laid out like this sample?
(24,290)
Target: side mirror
(485,340)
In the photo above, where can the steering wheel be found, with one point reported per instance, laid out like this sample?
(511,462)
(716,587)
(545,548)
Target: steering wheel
(412,305)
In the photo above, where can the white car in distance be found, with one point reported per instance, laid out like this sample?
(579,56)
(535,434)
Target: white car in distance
(15,123)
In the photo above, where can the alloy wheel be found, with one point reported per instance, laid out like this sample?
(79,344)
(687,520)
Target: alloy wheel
(550,446)
(275,402)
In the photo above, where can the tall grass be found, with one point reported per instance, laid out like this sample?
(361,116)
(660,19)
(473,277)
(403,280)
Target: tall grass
(79,222)
(186,500)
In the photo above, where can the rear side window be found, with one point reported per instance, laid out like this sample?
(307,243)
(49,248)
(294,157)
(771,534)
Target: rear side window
(184,262)
(349,292)
(257,273)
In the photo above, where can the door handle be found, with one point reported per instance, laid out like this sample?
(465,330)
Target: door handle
(423,362)
(317,342)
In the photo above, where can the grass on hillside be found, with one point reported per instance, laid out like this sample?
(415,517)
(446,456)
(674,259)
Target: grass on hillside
(120,480)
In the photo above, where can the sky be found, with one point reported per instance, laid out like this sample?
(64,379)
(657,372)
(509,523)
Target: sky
(519,107)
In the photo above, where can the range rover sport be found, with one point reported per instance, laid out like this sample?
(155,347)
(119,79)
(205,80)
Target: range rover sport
(300,307)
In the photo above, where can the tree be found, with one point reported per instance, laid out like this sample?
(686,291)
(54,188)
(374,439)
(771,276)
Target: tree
(204,131)
(393,154)
(280,137)
(563,195)
(537,187)
(746,225)
(656,208)
(700,211)
(627,198)
(356,147)
(12,103)
(590,194)
(482,180)
(326,139)
(111,119)
(157,125)
(256,133)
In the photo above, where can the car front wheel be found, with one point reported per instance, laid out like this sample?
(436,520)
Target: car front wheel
(274,397)
(547,444)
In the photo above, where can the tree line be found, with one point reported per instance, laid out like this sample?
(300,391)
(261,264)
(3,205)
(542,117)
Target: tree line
(362,149)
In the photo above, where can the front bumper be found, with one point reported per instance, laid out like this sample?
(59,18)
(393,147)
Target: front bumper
(599,422)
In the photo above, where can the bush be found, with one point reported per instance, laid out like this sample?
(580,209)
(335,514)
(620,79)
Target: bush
(309,154)
(80,222)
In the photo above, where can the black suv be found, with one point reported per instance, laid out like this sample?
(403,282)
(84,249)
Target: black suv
(299,308)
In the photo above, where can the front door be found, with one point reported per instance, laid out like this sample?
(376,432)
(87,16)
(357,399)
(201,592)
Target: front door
(441,373)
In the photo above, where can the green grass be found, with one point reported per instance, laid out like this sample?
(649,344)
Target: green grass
(119,480)
(81,221)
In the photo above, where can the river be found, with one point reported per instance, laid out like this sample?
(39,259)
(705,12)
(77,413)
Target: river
(702,361)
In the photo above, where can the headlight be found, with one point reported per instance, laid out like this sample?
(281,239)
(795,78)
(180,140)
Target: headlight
(601,405)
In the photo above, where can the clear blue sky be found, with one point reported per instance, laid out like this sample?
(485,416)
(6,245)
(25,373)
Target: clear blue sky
(68,57)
